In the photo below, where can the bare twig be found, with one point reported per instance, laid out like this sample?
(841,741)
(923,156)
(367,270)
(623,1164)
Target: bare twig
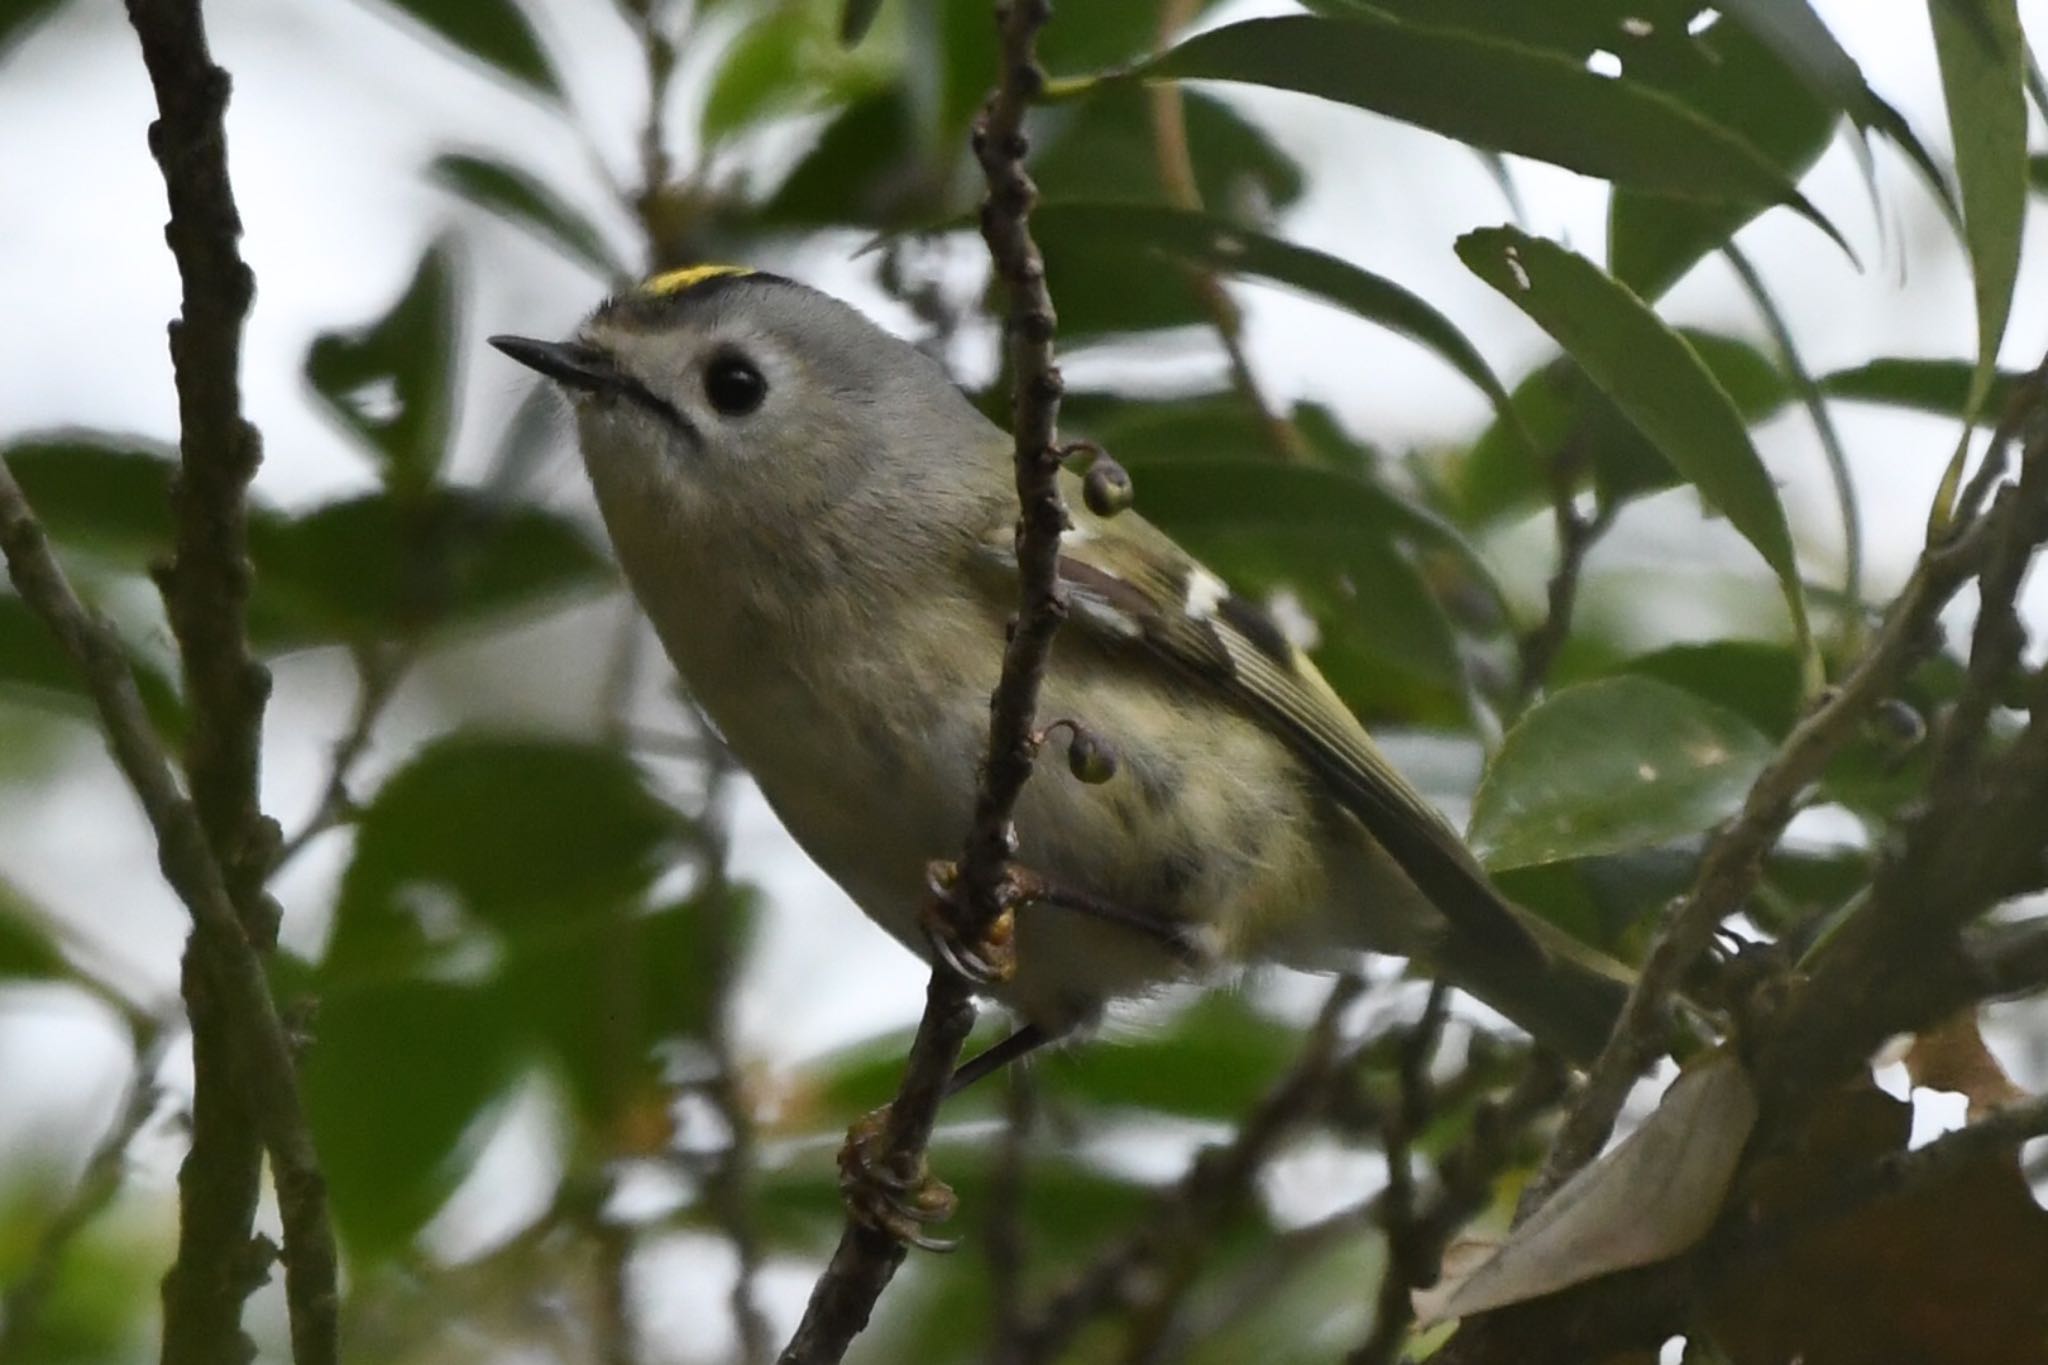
(1576,534)
(378,673)
(1398,1128)
(21,1307)
(206,588)
(867,1258)
(260,1056)
(1149,1268)
(1176,165)
(1003,1234)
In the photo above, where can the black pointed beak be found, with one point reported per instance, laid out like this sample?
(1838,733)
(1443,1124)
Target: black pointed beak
(568,364)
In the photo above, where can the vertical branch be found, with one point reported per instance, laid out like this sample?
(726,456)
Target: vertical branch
(259,1055)
(1576,534)
(206,589)
(867,1258)
(1176,165)
(1004,1234)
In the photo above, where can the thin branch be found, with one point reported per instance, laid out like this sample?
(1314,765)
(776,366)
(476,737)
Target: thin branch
(260,1057)
(867,1258)
(1399,1127)
(1176,165)
(245,1085)
(21,1307)
(1151,1266)
(378,674)
(1576,535)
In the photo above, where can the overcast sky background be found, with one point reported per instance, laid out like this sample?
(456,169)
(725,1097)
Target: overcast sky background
(338,108)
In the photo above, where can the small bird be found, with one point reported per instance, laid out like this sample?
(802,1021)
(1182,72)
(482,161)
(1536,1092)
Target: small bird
(820,526)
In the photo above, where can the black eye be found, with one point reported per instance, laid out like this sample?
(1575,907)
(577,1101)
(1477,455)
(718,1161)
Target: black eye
(733,385)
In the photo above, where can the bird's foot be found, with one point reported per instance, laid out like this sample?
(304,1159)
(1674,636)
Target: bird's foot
(988,960)
(899,1196)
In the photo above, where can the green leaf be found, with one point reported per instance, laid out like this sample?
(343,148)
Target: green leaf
(511,194)
(1653,375)
(1103,149)
(19,17)
(1493,94)
(856,18)
(370,568)
(1604,767)
(2037,173)
(1212,1060)
(1557,405)
(392,383)
(497,832)
(494,32)
(1211,244)
(1983,76)
(868,170)
(1753,679)
(1792,30)
(35,669)
(1937,386)
(1655,239)
(99,492)
(400,1072)
(27,950)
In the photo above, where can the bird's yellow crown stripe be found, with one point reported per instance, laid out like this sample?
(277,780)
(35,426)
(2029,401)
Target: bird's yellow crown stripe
(689,277)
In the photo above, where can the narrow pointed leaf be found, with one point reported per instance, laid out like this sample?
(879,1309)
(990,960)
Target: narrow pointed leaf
(1983,76)
(517,197)
(856,18)
(1212,244)
(1937,386)
(1609,766)
(495,32)
(1653,375)
(1496,95)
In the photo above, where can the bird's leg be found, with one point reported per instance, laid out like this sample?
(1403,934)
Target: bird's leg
(992,958)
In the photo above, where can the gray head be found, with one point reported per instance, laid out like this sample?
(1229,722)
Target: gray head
(744,397)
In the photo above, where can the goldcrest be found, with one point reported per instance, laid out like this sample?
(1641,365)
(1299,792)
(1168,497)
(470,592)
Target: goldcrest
(819,525)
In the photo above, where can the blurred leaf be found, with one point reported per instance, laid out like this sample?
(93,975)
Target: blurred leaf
(2037,173)
(507,833)
(868,169)
(392,383)
(504,190)
(1493,94)
(1202,426)
(27,950)
(1804,43)
(788,59)
(1606,766)
(368,568)
(1753,679)
(401,1070)
(1983,65)
(856,18)
(35,669)
(1654,239)
(1211,244)
(19,17)
(1653,375)
(1214,1059)
(494,32)
(100,492)
(1559,406)
(1937,386)
(1103,149)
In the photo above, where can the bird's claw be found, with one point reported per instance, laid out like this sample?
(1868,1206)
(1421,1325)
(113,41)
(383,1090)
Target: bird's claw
(988,961)
(899,1198)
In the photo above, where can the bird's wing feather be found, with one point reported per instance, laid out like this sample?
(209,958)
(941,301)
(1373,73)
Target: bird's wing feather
(1128,581)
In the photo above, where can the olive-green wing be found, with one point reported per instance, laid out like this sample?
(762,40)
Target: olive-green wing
(1126,580)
